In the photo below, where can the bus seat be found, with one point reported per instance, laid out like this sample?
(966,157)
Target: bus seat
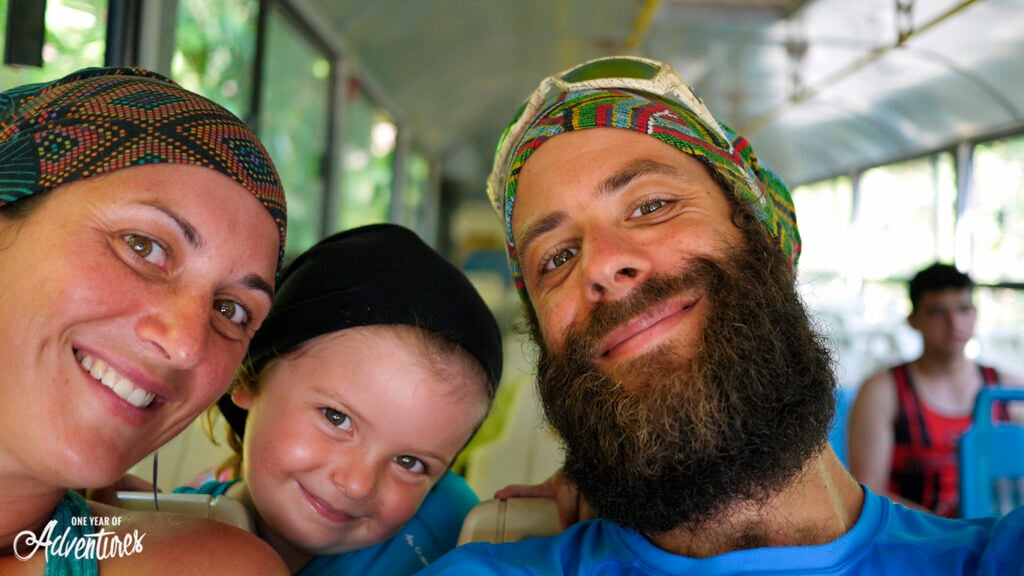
(510,520)
(220,508)
(991,466)
(845,397)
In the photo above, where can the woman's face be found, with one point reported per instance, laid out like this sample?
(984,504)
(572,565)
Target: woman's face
(344,439)
(127,301)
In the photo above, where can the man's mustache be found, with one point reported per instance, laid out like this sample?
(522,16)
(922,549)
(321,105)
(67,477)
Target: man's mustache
(583,337)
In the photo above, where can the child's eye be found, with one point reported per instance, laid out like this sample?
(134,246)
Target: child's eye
(412,464)
(648,207)
(233,311)
(146,248)
(337,419)
(560,257)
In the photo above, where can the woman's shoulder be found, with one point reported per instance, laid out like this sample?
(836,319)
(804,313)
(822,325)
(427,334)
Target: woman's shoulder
(165,543)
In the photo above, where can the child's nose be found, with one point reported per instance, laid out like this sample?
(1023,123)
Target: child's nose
(357,481)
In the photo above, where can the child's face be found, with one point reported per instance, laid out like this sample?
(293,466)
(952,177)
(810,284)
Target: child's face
(344,439)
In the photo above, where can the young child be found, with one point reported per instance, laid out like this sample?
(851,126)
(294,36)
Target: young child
(376,365)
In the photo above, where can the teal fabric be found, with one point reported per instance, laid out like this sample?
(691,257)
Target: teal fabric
(213,488)
(71,506)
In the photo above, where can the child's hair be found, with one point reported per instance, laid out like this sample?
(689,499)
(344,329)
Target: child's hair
(377,275)
(934,278)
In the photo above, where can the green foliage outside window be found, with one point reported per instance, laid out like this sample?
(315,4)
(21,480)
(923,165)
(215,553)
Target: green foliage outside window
(215,50)
(76,32)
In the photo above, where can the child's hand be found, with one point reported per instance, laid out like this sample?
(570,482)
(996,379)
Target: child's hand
(571,506)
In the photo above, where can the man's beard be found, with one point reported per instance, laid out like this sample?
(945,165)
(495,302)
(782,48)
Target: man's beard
(668,441)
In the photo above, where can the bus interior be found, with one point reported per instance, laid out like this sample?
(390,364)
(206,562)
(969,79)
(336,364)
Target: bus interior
(899,125)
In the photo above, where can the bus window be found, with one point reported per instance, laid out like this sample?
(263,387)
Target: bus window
(368,150)
(995,217)
(293,109)
(215,50)
(75,38)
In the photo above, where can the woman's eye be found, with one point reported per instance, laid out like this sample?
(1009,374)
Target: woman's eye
(561,257)
(233,311)
(337,419)
(648,208)
(146,248)
(411,463)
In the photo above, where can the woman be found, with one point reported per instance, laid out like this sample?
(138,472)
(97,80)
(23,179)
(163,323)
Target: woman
(141,229)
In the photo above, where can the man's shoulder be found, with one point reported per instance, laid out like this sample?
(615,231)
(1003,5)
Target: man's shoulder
(885,376)
(878,391)
(1004,553)
(573,551)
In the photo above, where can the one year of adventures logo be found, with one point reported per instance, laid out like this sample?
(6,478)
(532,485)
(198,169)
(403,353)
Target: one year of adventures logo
(72,543)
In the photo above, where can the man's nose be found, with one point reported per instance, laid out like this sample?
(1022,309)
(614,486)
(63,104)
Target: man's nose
(613,264)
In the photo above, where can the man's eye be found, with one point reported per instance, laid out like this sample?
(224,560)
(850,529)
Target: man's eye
(146,248)
(561,257)
(337,419)
(411,463)
(233,311)
(649,208)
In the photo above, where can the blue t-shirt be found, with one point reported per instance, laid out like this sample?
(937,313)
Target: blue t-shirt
(887,539)
(433,531)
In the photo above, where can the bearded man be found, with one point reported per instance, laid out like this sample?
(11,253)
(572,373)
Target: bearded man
(655,256)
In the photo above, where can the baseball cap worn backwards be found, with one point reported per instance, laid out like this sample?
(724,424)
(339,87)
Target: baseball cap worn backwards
(99,120)
(649,97)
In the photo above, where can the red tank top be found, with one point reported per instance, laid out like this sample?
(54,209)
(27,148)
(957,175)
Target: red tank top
(924,457)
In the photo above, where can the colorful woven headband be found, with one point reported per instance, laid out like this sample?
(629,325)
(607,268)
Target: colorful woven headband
(649,98)
(99,120)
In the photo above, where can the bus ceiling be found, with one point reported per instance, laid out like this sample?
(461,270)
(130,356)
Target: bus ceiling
(830,85)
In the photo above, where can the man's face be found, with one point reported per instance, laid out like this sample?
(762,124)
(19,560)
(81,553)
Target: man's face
(677,361)
(598,213)
(945,319)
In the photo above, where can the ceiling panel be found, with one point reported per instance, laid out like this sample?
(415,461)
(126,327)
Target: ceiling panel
(819,86)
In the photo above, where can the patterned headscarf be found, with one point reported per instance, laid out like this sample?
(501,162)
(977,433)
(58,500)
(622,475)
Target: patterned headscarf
(99,120)
(729,155)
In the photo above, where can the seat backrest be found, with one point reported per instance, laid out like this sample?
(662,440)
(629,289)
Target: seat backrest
(510,520)
(220,508)
(991,458)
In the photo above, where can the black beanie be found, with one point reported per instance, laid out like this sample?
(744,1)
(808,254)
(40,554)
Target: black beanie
(376,274)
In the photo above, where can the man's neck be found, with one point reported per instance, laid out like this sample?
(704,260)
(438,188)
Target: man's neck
(935,364)
(821,504)
(947,384)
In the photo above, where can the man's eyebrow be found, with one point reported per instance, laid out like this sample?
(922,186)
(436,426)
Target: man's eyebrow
(538,229)
(615,183)
(644,167)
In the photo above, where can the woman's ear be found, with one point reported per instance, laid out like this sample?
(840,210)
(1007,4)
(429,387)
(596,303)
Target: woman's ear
(242,397)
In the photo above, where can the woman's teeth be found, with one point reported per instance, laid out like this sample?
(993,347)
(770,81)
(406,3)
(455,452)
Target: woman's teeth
(121,386)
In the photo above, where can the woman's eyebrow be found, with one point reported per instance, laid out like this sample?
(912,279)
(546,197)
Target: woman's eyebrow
(195,240)
(255,282)
(189,231)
